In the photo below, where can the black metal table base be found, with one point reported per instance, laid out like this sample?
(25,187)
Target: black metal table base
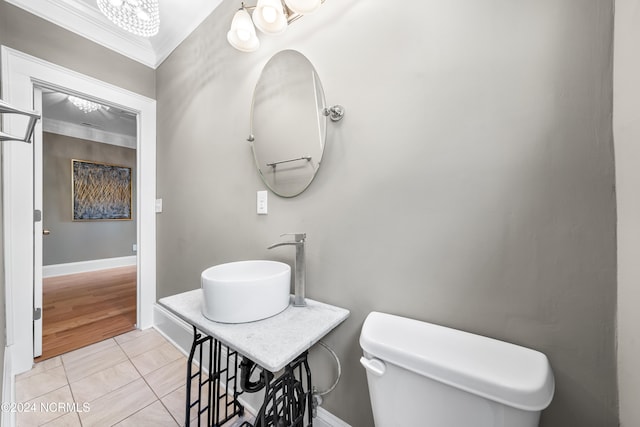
(214,400)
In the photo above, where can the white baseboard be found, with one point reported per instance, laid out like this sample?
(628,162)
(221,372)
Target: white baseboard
(86,266)
(175,330)
(325,418)
(180,334)
(8,418)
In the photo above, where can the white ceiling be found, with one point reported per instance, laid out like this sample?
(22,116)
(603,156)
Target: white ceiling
(178,18)
(111,126)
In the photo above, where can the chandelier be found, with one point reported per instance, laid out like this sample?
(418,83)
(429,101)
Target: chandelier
(85,105)
(270,17)
(140,17)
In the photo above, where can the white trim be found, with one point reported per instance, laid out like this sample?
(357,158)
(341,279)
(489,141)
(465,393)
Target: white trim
(86,266)
(175,330)
(84,132)
(166,41)
(180,334)
(8,418)
(325,418)
(38,189)
(79,17)
(20,72)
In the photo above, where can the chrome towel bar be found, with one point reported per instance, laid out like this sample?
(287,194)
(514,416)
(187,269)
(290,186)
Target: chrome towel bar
(6,108)
(274,164)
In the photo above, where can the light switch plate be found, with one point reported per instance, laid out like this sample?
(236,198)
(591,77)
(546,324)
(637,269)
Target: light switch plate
(262,203)
(158,205)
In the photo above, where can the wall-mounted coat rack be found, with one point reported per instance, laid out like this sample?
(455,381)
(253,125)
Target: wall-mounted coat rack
(6,108)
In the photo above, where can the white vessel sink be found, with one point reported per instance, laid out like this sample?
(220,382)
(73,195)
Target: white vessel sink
(245,291)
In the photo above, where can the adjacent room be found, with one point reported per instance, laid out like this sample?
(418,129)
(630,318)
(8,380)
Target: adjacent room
(88,246)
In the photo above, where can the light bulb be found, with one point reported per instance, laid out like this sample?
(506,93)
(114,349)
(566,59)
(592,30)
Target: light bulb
(243,35)
(269,14)
(303,7)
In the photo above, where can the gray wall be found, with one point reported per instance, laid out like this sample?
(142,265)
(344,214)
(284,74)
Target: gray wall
(71,241)
(470,183)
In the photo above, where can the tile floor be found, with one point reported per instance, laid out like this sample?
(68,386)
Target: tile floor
(136,379)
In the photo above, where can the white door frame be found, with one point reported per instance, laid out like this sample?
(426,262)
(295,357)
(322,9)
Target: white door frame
(20,72)
(38,169)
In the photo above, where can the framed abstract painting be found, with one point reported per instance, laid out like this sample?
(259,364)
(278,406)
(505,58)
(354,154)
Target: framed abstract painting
(100,191)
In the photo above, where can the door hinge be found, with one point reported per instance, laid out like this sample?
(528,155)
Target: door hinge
(37,313)
(37,215)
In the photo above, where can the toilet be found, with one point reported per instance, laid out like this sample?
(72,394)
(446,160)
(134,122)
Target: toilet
(421,374)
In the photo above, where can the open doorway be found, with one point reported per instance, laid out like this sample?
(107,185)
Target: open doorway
(88,191)
(20,73)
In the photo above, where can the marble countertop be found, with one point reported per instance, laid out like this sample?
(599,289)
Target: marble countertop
(273,342)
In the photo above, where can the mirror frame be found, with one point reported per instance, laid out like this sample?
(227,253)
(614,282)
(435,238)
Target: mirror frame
(322,118)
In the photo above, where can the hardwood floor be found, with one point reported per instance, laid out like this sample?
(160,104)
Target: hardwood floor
(82,309)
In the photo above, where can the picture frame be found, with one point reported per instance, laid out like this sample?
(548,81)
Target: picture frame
(100,191)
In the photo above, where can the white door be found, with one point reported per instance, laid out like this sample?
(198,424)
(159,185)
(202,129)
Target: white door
(37,227)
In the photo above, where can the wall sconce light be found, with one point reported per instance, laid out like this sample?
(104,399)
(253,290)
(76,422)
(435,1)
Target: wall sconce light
(33,118)
(268,16)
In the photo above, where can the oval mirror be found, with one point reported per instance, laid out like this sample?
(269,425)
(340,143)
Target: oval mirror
(288,127)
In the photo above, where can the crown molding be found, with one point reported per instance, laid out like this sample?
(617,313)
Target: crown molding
(79,17)
(87,133)
(171,36)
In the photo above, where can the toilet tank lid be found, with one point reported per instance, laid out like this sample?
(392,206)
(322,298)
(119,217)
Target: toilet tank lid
(507,373)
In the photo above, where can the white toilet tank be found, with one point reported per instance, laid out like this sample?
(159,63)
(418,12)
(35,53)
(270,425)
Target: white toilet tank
(420,374)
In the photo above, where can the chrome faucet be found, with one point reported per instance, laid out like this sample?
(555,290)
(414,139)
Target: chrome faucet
(298,266)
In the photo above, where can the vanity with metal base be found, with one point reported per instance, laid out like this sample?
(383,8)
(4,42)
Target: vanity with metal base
(229,360)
